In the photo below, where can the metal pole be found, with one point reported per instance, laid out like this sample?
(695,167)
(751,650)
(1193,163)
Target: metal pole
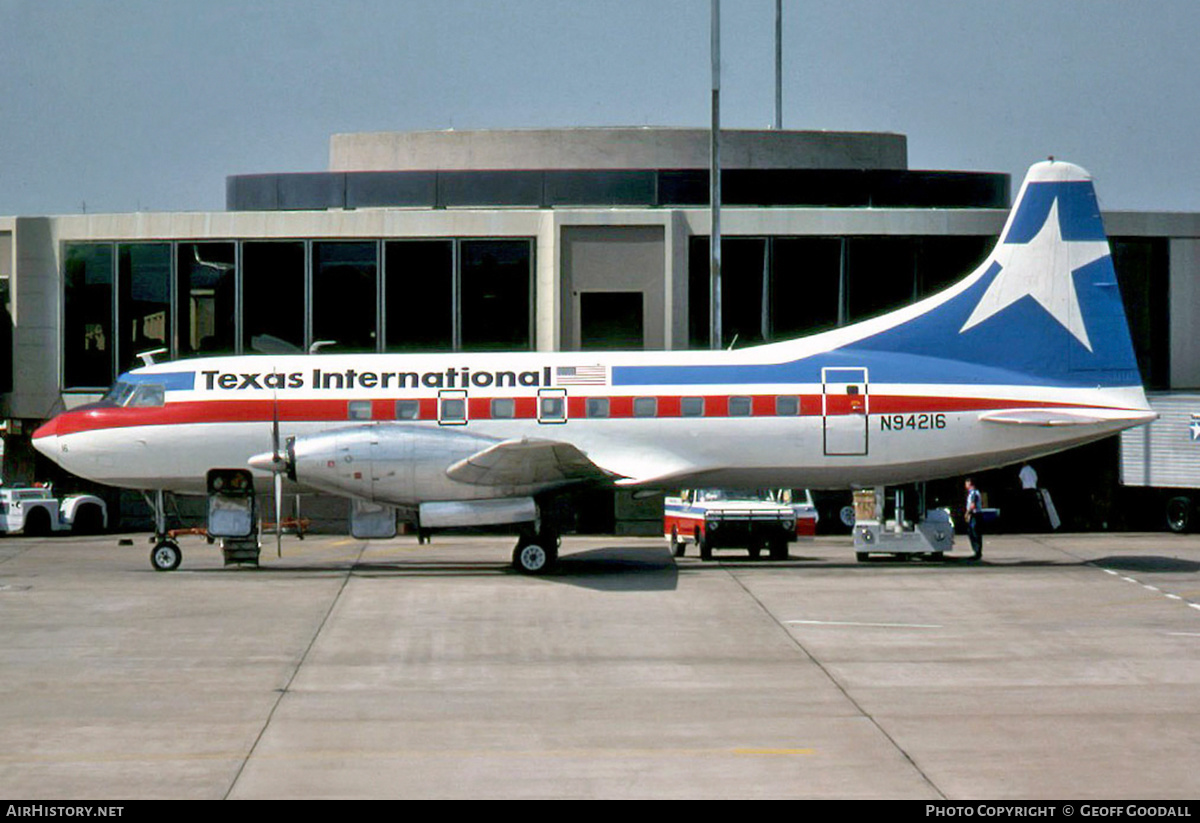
(714,185)
(778,64)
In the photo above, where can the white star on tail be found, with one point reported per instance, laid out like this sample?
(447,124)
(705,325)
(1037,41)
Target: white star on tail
(1042,269)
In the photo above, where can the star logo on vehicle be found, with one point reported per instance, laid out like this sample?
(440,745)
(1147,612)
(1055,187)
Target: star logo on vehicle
(1195,427)
(1023,272)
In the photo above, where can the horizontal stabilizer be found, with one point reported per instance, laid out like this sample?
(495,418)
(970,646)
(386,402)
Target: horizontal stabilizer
(1062,417)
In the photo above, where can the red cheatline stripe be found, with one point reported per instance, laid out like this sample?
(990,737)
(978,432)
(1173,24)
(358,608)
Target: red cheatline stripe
(337,411)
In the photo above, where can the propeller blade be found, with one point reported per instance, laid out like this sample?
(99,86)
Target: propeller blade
(278,466)
(278,514)
(276,457)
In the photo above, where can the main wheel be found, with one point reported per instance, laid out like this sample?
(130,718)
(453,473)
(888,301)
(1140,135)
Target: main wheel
(166,556)
(755,551)
(534,558)
(705,547)
(1179,514)
(862,557)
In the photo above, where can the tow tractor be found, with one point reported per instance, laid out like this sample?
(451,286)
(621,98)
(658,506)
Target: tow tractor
(35,511)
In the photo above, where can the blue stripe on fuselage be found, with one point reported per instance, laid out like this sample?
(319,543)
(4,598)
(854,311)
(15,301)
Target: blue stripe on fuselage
(169,380)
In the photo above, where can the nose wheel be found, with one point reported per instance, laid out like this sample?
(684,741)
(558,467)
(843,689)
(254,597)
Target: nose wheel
(166,556)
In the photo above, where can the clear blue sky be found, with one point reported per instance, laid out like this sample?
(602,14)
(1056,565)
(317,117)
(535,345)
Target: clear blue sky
(149,104)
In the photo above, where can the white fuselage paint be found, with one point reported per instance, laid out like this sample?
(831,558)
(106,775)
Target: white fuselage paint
(761,450)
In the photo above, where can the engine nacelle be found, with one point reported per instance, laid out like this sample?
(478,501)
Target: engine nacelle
(389,463)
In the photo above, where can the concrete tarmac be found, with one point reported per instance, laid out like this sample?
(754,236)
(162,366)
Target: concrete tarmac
(1063,666)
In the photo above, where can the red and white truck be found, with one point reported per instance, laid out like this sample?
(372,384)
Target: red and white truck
(738,518)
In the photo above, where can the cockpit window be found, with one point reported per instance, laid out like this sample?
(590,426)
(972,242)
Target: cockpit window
(119,393)
(147,394)
(135,395)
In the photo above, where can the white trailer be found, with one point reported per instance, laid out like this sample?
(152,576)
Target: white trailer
(1165,456)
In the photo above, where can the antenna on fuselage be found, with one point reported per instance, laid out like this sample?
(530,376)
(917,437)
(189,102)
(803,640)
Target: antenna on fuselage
(148,356)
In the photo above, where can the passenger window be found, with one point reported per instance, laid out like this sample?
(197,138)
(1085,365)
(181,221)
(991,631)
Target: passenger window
(408,409)
(504,408)
(452,408)
(597,407)
(692,406)
(739,407)
(645,406)
(360,409)
(147,395)
(552,406)
(787,406)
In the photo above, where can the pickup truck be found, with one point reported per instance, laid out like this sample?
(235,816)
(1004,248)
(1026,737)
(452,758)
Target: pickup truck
(725,518)
(35,511)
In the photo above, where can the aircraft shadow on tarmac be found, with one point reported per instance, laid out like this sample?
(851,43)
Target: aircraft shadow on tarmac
(611,568)
(641,569)
(1147,563)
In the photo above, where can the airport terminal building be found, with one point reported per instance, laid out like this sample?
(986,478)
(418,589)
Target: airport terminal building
(543,240)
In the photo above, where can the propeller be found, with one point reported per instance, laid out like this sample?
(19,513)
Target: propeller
(281,461)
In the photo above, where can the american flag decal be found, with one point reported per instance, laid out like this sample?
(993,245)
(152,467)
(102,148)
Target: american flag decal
(580,376)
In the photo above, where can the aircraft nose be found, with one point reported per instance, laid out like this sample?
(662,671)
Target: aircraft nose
(45,439)
(47,429)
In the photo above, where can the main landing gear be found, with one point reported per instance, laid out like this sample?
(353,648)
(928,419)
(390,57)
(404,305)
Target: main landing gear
(166,554)
(536,551)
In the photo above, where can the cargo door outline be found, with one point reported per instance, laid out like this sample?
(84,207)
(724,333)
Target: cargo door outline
(845,410)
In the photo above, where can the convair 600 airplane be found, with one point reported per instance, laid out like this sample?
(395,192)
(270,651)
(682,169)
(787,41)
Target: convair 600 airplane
(1028,355)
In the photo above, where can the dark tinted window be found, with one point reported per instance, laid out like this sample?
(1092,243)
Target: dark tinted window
(144,307)
(205,299)
(87,316)
(496,296)
(419,290)
(344,295)
(272,297)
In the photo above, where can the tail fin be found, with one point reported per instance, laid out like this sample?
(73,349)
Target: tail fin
(1042,309)
(1043,305)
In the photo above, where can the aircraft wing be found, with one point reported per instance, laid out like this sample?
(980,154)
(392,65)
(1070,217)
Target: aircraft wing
(1060,417)
(526,461)
(535,461)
